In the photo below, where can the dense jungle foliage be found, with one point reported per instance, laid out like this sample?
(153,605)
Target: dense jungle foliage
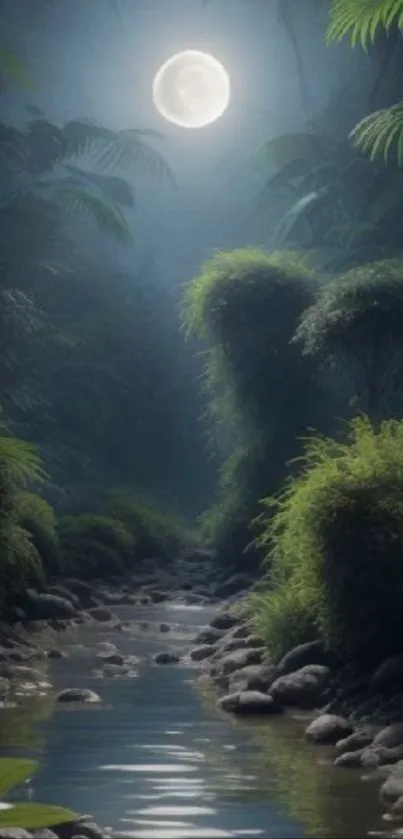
(302,360)
(303,366)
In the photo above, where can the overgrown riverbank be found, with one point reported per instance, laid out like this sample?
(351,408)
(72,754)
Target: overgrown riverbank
(359,715)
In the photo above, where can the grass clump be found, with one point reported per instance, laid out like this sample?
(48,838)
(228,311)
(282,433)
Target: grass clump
(333,540)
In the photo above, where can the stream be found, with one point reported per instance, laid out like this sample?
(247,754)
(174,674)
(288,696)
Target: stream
(157,759)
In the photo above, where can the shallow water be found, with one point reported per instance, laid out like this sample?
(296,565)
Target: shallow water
(158,760)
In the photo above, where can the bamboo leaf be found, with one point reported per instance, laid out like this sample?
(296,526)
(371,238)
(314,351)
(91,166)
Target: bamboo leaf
(380,132)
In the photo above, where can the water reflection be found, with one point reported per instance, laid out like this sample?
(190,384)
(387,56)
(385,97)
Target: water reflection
(154,761)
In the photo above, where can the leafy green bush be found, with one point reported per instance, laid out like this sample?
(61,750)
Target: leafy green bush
(155,533)
(263,395)
(95,546)
(37,517)
(333,540)
(20,561)
(355,325)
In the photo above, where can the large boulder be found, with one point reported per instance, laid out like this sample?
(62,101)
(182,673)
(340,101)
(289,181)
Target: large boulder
(225,620)
(253,677)
(241,630)
(388,677)
(354,742)
(78,695)
(390,736)
(312,652)
(101,614)
(82,590)
(85,829)
(201,652)
(112,658)
(241,658)
(157,596)
(166,658)
(349,760)
(20,673)
(392,788)
(249,702)
(304,688)
(249,642)
(374,756)
(209,635)
(47,606)
(328,729)
(62,591)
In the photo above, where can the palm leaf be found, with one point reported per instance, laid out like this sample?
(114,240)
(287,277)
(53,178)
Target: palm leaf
(381,131)
(126,149)
(108,217)
(20,462)
(114,188)
(300,211)
(362,19)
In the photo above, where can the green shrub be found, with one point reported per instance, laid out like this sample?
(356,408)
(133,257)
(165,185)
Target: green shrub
(95,546)
(334,540)
(282,619)
(37,517)
(155,533)
(263,393)
(20,562)
(355,326)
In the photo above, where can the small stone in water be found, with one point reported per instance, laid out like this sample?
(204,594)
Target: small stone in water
(165,658)
(77,695)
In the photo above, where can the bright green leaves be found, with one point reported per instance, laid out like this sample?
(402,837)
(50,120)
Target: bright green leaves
(362,19)
(15,771)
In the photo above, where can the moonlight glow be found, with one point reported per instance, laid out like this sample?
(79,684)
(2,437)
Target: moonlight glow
(191,89)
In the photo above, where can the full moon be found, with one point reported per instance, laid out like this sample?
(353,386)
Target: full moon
(191,89)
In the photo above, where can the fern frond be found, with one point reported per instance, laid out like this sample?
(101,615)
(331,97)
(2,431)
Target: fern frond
(362,19)
(19,462)
(379,132)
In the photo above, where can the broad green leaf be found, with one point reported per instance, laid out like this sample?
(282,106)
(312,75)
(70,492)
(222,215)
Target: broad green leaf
(362,19)
(15,770)
(32,815)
